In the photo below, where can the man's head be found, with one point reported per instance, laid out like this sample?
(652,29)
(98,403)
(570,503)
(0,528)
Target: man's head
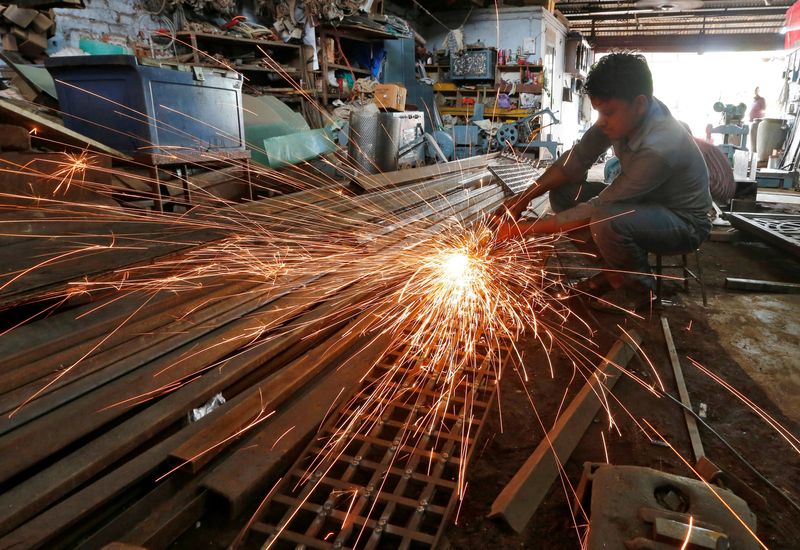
(620,87)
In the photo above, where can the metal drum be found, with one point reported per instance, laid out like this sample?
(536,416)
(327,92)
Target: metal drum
(364,137)
(771,134)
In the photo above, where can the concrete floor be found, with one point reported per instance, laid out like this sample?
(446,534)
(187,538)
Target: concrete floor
(762,334)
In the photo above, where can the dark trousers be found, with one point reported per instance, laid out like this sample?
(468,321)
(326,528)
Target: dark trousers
(625,233)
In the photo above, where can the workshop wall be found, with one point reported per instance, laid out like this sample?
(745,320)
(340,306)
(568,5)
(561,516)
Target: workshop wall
(118,19)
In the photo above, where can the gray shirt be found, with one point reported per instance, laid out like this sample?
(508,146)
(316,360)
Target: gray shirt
(660,164)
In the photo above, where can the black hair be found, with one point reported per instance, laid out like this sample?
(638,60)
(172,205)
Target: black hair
(620,75)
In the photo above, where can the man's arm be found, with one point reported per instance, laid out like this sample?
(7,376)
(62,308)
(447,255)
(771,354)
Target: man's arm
(645,173)
(573,218)
(570,167)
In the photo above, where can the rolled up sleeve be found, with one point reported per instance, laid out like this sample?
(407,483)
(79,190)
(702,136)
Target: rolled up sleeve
(577,161)
(641,175)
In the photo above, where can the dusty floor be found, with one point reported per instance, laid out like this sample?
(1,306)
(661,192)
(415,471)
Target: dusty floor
(749,339)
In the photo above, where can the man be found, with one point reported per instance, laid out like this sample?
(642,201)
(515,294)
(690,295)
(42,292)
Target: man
(659,201)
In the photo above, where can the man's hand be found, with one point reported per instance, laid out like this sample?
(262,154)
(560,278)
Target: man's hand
(526,228)
(508,212)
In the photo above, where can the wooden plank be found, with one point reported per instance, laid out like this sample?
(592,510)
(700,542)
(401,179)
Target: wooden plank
(51,134)
(518,500)
(691,422)
(758,285)
(370,182)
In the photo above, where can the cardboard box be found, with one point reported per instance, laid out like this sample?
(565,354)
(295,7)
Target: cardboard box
(9,43)
(391,97)
(34,46)
(21,17)
(42,24)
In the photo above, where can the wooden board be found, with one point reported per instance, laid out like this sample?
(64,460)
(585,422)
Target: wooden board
(52,135)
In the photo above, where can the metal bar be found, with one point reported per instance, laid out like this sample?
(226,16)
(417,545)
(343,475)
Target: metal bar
(691,422)
(518,500)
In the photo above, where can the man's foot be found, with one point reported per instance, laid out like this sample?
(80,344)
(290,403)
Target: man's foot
(630,298)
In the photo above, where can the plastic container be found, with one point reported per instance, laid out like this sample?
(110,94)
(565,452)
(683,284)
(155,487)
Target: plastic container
(142,109)
(96,47)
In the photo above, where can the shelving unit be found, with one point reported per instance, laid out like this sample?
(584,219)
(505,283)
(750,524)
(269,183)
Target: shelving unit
(452,95)
(289,57)
(343,37)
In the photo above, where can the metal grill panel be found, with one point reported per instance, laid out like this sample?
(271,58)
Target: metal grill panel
(392,485)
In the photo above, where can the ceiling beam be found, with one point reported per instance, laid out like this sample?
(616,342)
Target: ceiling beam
(700,12)
(689,43)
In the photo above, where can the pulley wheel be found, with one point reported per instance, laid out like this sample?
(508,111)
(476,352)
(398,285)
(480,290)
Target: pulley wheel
(507,135)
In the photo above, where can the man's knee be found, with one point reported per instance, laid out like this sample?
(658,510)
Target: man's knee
(606,229)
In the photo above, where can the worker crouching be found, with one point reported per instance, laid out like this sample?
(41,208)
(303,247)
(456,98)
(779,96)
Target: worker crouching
(658,203)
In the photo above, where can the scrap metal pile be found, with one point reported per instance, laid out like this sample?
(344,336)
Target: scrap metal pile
(123,323)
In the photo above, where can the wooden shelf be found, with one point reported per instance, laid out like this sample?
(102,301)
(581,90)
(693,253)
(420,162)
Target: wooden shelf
(489,112)
(248,51)
(509,68)
(248,68)
(349,69)
(207,37)
(356,32)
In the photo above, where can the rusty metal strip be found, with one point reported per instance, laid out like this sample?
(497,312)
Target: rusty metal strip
(388,487)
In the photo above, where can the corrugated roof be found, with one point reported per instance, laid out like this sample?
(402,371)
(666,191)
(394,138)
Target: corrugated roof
(678,25)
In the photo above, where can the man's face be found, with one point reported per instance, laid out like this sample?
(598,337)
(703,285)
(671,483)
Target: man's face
(618,118)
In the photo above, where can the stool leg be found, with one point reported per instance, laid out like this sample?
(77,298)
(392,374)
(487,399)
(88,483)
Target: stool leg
(685,265)
(700,278)
(658,279)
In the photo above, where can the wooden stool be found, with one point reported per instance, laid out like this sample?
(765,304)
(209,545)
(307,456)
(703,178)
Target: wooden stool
(687,273)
